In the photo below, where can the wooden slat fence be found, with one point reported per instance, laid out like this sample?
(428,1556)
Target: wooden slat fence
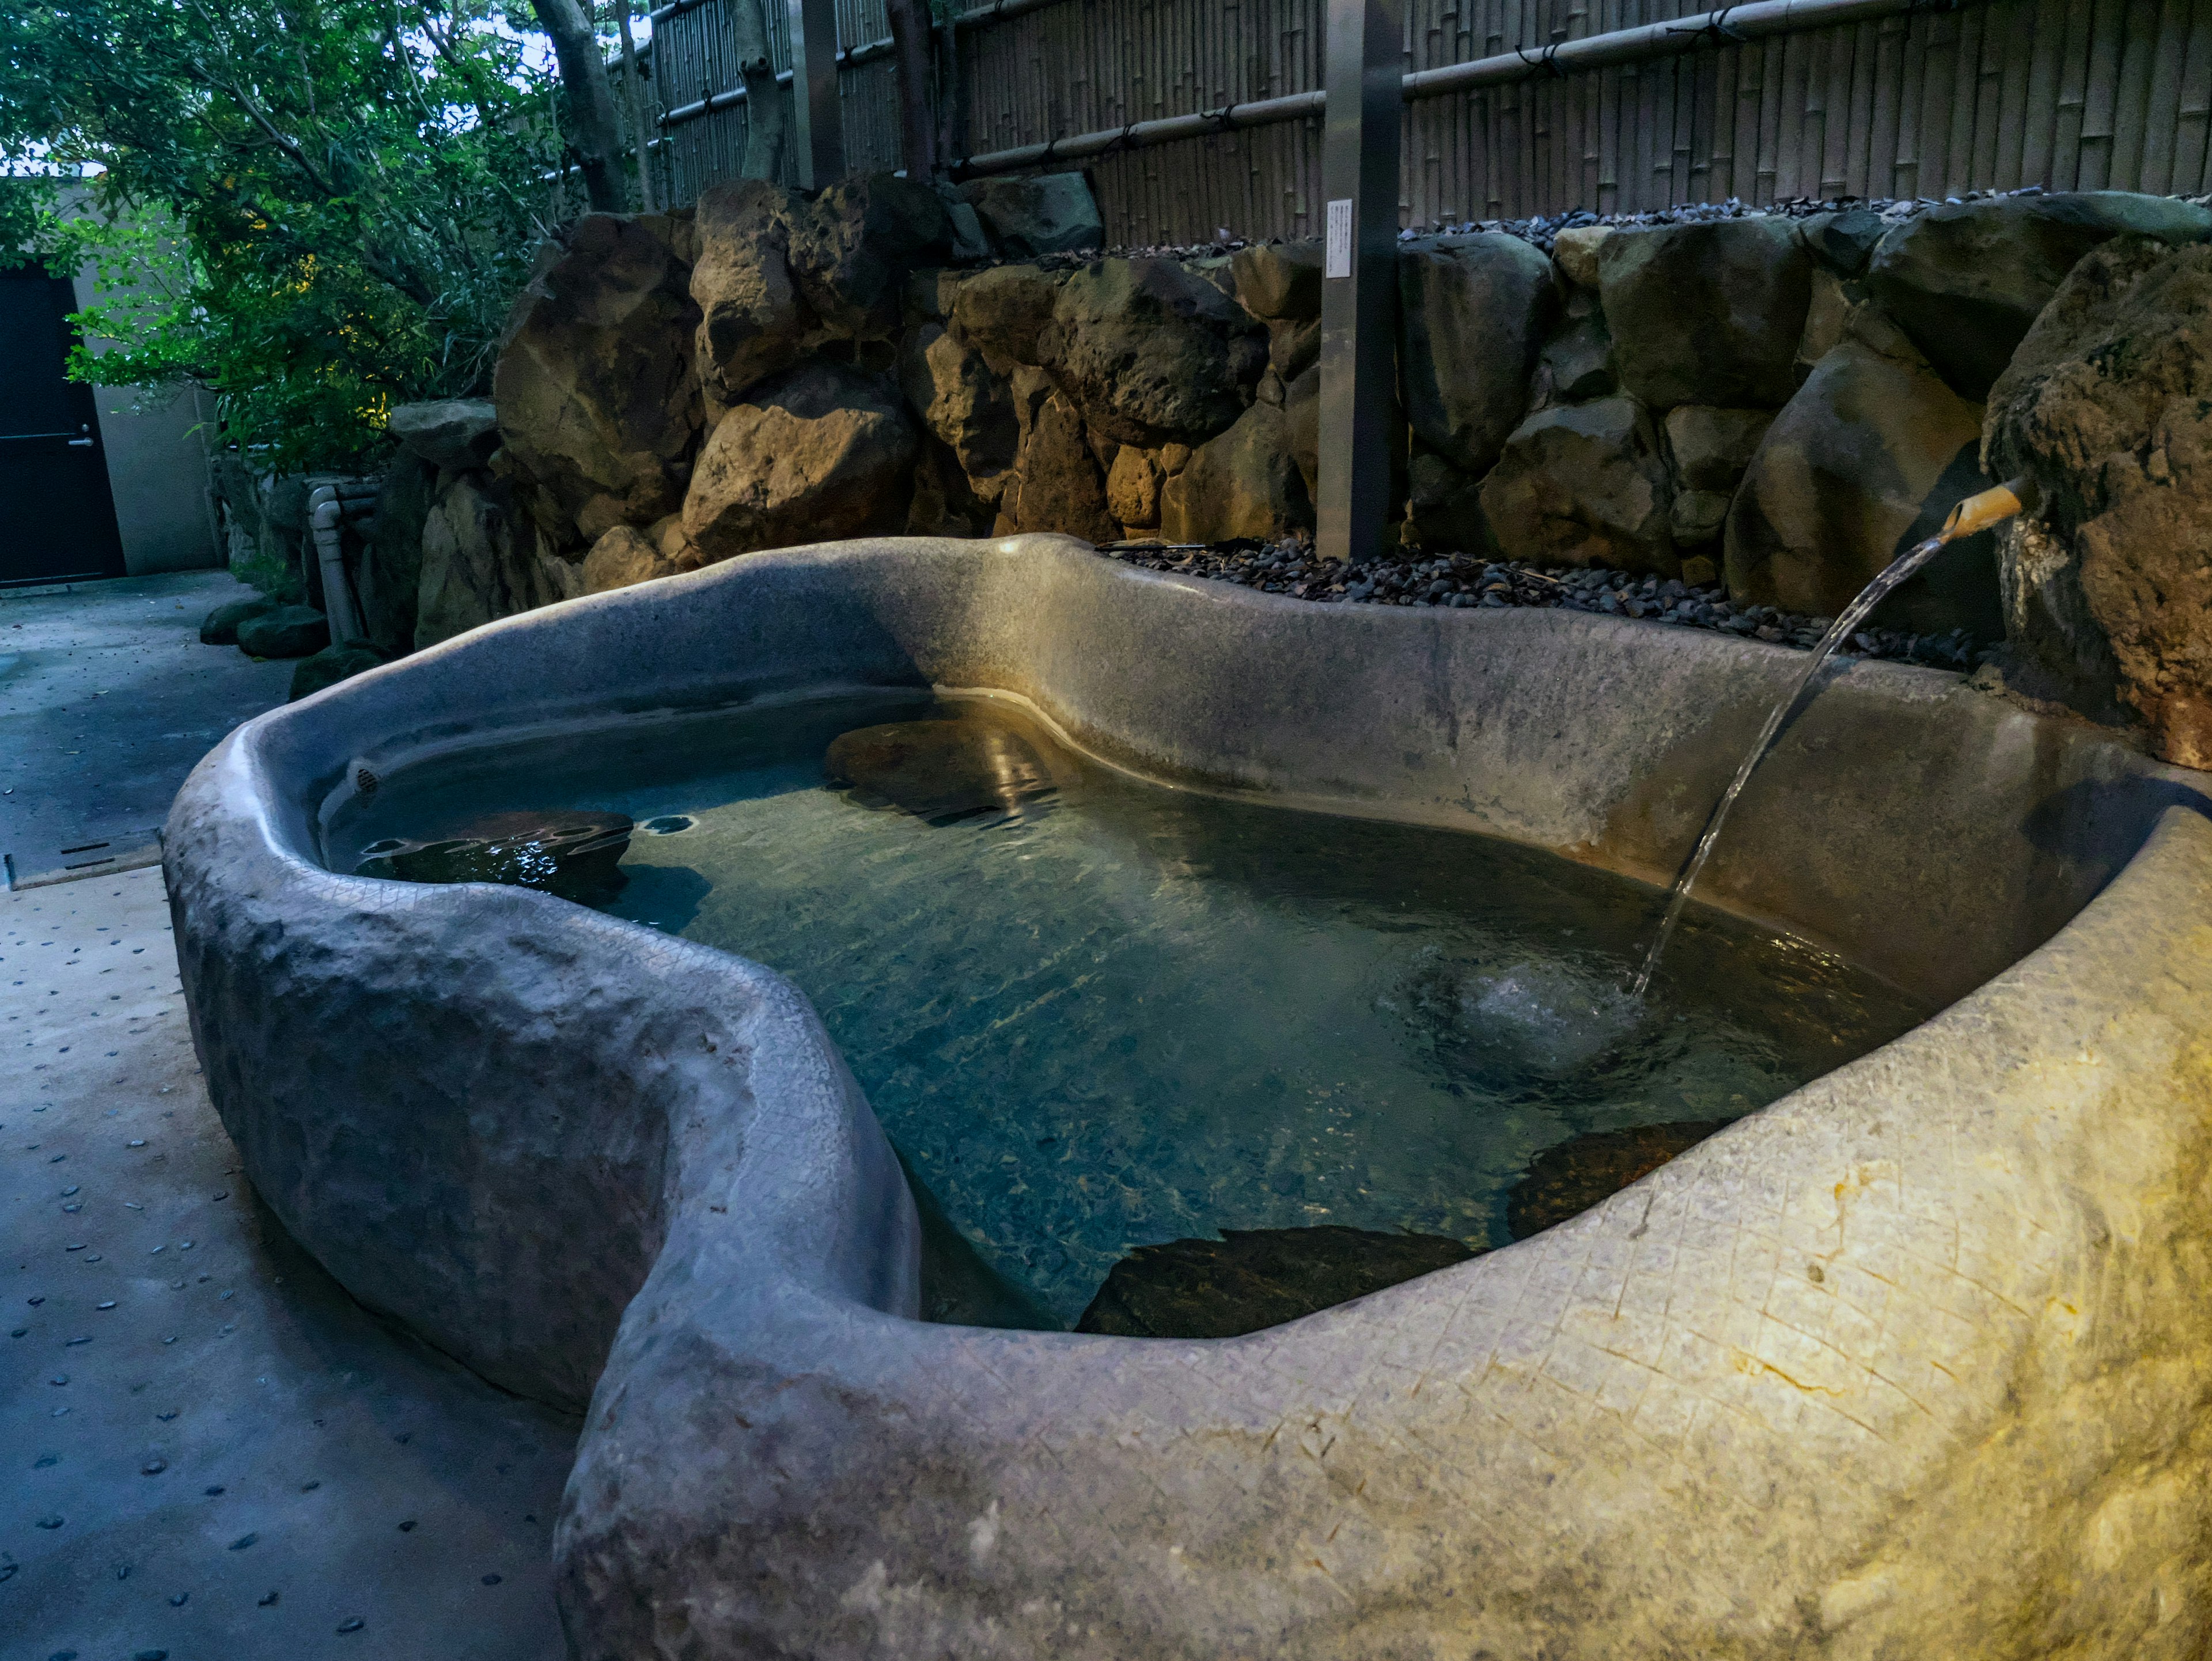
(1994,94)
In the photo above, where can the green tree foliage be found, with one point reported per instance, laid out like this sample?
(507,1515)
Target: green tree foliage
(323,207)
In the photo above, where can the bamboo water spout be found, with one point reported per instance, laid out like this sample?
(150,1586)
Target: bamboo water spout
(1976,513)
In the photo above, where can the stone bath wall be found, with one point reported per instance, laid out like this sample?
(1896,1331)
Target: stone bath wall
(1787,401)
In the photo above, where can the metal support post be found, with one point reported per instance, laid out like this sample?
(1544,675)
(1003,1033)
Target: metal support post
(1359,307)
(820,146)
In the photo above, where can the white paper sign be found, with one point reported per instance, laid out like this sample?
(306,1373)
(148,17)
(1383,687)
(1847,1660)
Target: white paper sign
(1338,260)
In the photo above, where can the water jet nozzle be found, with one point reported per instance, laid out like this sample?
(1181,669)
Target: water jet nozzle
(1990,506)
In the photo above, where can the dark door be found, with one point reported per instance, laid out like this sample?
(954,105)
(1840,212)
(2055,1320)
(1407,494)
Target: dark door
(56,517)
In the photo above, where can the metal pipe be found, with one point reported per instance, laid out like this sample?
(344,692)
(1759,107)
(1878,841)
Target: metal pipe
(1751,21)
(325,513)
(714,102)
(1359,275)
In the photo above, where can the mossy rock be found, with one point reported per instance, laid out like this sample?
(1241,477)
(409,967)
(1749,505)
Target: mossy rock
(220,627)
(330,666)
(284,631)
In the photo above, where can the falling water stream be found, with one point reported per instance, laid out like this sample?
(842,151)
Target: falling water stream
(1976,513)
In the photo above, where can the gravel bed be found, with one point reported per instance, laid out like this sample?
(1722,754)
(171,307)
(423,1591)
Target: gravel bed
(1460,581)
(1542,229)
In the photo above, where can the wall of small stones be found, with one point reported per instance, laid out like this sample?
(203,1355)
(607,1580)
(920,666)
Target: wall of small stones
(1778,402)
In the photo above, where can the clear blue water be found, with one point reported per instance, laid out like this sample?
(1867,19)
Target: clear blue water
(1098,1013)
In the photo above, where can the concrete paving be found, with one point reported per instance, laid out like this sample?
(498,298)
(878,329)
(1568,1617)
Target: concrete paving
(210,1452)
(106,699)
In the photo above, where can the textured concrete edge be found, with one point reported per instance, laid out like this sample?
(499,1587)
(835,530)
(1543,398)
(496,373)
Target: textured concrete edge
(1509,1455)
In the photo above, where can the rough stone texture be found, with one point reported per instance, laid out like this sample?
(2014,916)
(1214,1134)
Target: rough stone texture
(1843,242)
(1472,311)
(619,1164)
(1576,364)
(286,631)
(454,433)
(1707,313)
(1964,281)
(1244,483)
(598,408)
(1279,280)
(1302,425)
(389,577)
(1048,213)
(1444,505)
(855,246)
(1058,484)
(624,556)
(1132,489)
(330,666)
(1575,251)
(1003,310)
(753,323)
(2108,406)
(1869,459)
(1293,347)
(1711,448)
(823,451)
(481,561)
(1151,351)
(1583,484)
(961,399)
(1826,317)
(220,626)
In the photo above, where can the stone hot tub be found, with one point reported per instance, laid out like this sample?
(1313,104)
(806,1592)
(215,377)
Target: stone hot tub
(1912,1362)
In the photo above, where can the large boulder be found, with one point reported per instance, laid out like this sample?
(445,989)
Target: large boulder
(284,631)
(598,406)
(391,570)
(220,627)
(819,453)
(855,246)
(1279,281)
(1052,213)
(753,323)
(1473,311)
(623,557)
(1151,352)
(469,559)
(1708,449)
(1868,460)
(1965,281)
(455,434)
(962,402)
(1004,310)
(1245,483)
(1058,484)
(1707,313)
(1583,484)
(2108,406)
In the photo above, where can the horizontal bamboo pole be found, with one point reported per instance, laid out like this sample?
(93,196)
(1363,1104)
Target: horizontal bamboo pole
(1753,20)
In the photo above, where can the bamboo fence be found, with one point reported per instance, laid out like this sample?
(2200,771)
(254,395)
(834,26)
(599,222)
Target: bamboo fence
(1929,102)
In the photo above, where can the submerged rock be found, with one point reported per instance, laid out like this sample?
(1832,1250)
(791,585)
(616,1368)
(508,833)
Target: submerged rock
(944,770)
(573,854)
(1252,1279)
(1566,1180)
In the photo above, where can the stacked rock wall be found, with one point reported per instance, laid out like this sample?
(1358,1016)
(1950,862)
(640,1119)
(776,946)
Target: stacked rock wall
(1790,401)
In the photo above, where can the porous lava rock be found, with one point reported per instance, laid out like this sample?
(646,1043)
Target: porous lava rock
(753,323)
(853,249)
(1005,309)
(818,453)
(1585,484)
(284,631)
(1279,280)
(1869,459)
(1252,1279)
(1151,352)
(961,399)
(1472,312)
(1707,313)
(599,405)
(1058,484)
(2107,405)
(1245,483)
(1132,487)
(1051,213)
(452,433)
(1965,281)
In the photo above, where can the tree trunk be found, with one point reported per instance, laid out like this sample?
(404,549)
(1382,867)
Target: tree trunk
(910,50)
(766,117)
(594,131)
(949,137)
(634,84)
